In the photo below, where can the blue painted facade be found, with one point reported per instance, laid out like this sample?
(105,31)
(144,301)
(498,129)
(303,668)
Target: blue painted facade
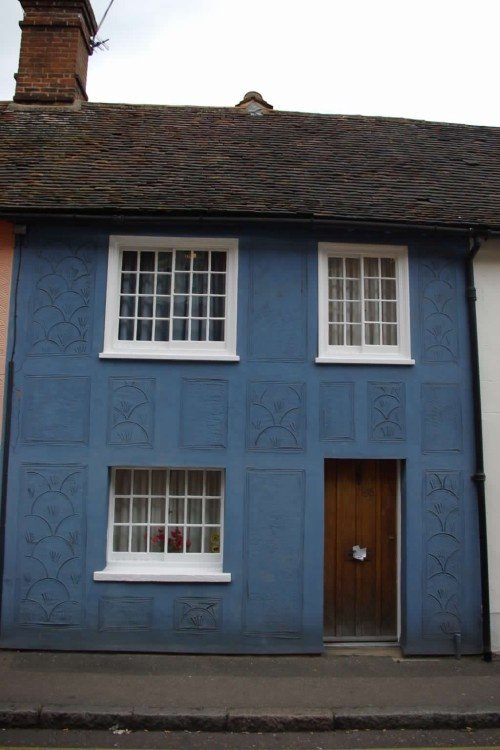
(66,434)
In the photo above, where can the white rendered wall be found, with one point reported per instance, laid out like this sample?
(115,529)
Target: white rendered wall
(487,275)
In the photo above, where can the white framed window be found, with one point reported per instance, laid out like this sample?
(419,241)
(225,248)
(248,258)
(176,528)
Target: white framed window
(363,304)
(171,298)
(165,524)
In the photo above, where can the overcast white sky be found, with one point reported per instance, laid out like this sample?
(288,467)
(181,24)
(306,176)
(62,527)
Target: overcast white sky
(425,59)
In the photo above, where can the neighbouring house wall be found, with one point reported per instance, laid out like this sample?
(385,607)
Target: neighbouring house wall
(203,414)
(487,273)
(6,257)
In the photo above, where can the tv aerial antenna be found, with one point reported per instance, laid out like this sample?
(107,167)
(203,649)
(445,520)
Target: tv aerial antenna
(96,42)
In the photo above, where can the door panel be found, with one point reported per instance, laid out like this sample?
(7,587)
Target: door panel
(360,509)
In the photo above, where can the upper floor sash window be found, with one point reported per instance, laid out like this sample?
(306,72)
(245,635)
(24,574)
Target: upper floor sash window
(171,298)
(363,298)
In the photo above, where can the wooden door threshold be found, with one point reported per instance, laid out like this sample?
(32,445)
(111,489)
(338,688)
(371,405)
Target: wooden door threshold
(362,648)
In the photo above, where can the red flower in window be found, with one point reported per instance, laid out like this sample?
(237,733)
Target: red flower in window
(175,541)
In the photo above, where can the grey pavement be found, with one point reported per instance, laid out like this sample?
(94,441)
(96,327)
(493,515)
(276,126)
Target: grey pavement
(246,693)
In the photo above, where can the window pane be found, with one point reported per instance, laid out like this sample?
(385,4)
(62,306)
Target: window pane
(141,482)
(352,290)
(213,483)
(122,510)
(145,307)
(157,539)
(175,540)
(181,306)
(162,330)
(336,335)
(390,335)
(335,289)
(146,283)
(371,311)
(164,261)
(180,332)
(371,267)
(129,282)
(162,307)
(218,283)
(177,482)
(353,312)
(123,481)
(211,540)
(181,283)
(157,510)
(216,330)
(195,510)
(139,539)
(200,260)
(218,261)
(126,330)
(163,284)
(353,335)
(352,268)
(200,283)
(372,334)
(147,261)
(158,482)
(140,510)
(389,312)
(388,289)
(199,307)
(129,260)
(217,307)
(120,539)
(127,307)
(193,539)
(388,267)
(176,510)
(144,330)
(212,511)
(335,312)
(372,289)
(195,483)
(198,330)
(335,267)
(183,260)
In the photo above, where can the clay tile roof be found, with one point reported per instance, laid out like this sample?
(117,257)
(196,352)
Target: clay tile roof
(155,160)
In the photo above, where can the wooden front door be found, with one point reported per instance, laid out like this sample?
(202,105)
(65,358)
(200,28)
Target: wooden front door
(360,513)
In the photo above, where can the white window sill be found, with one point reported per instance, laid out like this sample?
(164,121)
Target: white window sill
(364,360)
(203,356)
(155,573)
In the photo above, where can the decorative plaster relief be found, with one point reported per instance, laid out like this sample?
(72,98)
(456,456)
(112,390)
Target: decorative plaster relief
(273,552)
(441,417)
(204,413)
(197,614)
(61,319)
(131,411)
(55,409)
(51,546)
(276,416)
(387,411)
(443,529)
(336,403)
(277,315)
(439,312)
(125,613)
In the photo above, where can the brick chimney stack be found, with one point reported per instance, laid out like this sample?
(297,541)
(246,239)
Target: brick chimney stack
(55,50)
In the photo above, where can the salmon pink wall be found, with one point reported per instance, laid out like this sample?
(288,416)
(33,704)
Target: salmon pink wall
(6,256)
